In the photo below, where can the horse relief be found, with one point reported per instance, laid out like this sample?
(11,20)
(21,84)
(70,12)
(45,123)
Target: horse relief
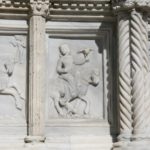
(74,78)
(10,60)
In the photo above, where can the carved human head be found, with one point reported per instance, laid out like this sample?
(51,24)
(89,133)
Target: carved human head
(64,49)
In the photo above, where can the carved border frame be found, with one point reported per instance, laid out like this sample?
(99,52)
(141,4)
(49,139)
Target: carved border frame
(98,31)
(11,28)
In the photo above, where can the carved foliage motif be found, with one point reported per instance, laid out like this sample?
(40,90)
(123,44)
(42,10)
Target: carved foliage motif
(39,7)
(75,75)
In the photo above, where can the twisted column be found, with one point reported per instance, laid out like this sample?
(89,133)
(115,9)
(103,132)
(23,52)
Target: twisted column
(124,78)
(140,73)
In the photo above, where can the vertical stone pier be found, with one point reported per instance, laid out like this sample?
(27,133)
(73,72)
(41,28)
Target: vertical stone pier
(134,74)
(39,10)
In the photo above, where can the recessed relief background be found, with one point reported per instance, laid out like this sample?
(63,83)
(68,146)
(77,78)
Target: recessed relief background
(12,78)
(75,79)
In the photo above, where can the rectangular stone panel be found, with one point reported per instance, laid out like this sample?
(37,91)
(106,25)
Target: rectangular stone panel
(78,82)
(82,97)
(13,69)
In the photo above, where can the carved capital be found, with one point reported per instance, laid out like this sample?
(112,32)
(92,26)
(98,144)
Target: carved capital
(130,4)
(39,7)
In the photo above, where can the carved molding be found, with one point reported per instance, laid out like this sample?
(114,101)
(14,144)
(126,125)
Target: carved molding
(58,9)
(130,4)
(79,4)
(14,3)
(80,10)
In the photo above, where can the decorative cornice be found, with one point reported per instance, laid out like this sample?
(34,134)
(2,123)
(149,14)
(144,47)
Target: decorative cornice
(75,10)
(39,7)
(80,4)
(130,4)
(14,4)
(80,9)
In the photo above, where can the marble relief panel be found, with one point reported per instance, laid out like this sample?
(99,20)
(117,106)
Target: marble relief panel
(75,79)
(12,78)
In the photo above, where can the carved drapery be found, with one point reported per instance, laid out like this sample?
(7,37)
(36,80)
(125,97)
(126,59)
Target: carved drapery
(139,71)
(39,10)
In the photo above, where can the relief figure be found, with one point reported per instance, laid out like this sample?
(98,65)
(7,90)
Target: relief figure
(8,66)
(72,81)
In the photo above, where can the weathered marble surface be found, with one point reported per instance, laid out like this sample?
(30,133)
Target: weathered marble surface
(67,82)
(88,127)
(78,79)
(13,66)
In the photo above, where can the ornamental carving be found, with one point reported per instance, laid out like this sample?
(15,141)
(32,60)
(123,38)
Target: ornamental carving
(39,8)
(129,4)
(12,63)
(74,78)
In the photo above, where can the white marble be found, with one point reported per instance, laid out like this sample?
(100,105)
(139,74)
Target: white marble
(74,75)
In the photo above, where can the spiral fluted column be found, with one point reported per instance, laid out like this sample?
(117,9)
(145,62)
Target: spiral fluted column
(140,73)
(124,77)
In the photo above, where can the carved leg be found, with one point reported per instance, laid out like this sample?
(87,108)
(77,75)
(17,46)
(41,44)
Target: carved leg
(56,99)
(87,106)
(14,93)
(18,91)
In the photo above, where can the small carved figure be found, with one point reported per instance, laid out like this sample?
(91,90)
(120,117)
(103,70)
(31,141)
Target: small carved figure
(65,68)
(6,70)
(20,44)
(72,83)
(85,52)
(7,67)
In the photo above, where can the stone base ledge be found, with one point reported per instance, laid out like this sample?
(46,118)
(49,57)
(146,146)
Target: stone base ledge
(34,139)
(132,145)
(89,142)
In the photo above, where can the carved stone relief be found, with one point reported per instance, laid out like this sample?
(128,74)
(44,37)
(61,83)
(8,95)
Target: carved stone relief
(12,76)
(75,82)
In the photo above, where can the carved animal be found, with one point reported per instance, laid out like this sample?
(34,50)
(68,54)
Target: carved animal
(85,52)
(61,95)
(73,80)
(7,66)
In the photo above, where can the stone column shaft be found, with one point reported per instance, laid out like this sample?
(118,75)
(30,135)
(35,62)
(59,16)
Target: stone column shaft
(37,51)
(124,77)
(140,73)
(36,77)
